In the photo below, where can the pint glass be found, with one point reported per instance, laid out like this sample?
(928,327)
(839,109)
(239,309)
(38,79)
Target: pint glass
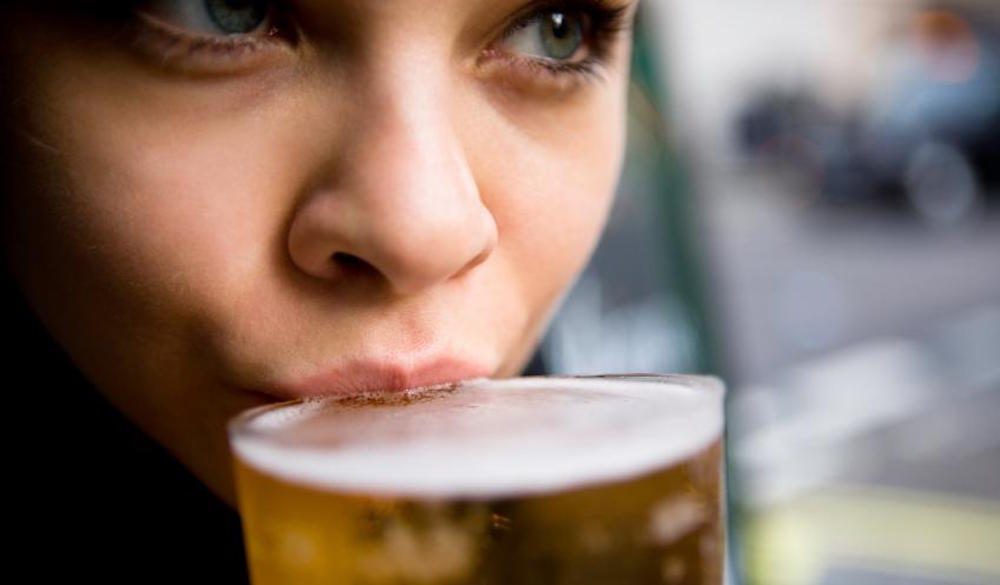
(527,481)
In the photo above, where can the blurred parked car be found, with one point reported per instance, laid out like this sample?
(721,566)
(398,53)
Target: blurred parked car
(928,136)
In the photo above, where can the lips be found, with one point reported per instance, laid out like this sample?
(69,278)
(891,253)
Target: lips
(368,375)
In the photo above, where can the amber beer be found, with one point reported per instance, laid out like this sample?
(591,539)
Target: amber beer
(530,481)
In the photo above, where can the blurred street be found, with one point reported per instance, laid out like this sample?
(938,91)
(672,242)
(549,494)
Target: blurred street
(867,349)
(855,279)
(794,281)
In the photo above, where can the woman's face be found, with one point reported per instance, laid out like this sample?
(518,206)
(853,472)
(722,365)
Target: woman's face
(216,203)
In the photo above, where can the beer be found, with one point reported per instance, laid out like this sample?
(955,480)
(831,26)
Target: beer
(531,481)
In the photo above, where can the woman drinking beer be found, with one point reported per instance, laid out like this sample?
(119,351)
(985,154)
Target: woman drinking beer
(214,204)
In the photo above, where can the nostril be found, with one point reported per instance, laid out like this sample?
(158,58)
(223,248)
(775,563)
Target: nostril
(351,265)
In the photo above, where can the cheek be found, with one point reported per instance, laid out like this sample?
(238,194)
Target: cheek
(549,177)
(162,212)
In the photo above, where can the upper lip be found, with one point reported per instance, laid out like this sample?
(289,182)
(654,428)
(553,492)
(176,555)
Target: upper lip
(362,375)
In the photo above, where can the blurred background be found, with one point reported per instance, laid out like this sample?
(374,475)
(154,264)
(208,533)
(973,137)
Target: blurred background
(811,210)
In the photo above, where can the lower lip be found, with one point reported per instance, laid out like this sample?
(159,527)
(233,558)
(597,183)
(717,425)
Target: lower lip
(360,377)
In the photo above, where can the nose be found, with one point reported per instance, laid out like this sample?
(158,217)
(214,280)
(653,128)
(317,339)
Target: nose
(400,204)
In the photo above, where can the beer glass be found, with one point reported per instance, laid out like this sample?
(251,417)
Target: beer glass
(609,480)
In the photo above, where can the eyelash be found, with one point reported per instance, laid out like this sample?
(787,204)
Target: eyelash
(172,45)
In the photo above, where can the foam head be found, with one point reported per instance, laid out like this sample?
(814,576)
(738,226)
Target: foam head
(484,438)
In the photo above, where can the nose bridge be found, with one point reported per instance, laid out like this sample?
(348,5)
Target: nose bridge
(407,202)
(404,127)
(411,174)
(403,120)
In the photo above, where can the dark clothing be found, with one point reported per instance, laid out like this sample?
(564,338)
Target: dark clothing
(96,499)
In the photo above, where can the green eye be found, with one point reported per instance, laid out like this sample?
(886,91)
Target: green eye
(561,35)
(554,35)
(238,16)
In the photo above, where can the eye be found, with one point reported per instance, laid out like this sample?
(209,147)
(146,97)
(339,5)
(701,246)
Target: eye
(213,17)
(556,35)
(556,45)
(211,37)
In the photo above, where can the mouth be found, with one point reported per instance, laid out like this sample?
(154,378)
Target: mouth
(362,376)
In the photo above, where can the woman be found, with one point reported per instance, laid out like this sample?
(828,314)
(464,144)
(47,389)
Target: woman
(213,204)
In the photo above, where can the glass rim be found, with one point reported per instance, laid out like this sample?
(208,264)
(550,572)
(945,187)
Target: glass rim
(536,462)
(240,424)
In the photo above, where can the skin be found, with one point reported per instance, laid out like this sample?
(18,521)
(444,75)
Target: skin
(174,226)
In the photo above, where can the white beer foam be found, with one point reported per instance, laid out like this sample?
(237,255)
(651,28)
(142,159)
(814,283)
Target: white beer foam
(487,438)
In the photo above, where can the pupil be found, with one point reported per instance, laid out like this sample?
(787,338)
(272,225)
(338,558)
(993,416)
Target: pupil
(562,35)
(237,16)
(559,28)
